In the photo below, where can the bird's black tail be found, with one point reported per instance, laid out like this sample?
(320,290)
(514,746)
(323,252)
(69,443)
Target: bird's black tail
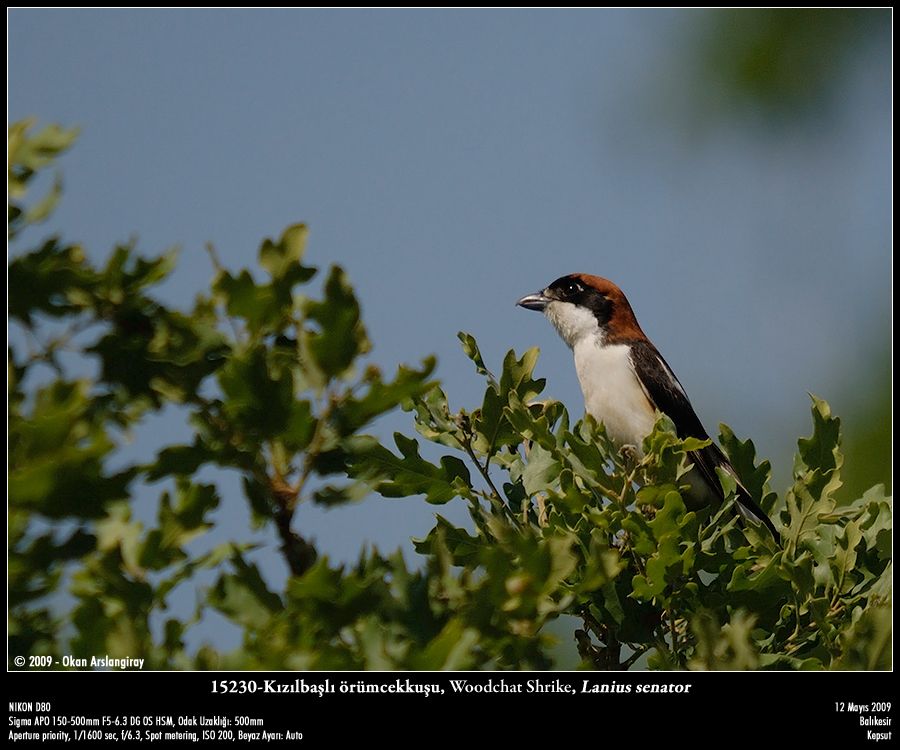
(749,509)
(711,457)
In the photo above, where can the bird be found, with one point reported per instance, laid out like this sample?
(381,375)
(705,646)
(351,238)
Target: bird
(625,381)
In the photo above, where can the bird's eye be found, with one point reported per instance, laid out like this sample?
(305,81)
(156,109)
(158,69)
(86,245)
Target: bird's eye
(573,287)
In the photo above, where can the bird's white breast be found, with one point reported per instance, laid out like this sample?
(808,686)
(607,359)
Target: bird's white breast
(612,392)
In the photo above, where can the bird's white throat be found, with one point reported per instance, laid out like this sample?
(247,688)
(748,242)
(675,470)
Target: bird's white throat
(573,322)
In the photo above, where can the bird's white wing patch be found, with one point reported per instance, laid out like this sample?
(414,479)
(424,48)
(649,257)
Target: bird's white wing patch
(671,374)
(641,383)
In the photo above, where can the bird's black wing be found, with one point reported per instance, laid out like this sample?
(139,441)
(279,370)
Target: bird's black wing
(667,395)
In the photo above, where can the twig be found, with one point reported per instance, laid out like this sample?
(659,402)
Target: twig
(607,657)
(674,635)
(312,450)
(587,650)
(483,471)
(496,500)
(638,653)
(591,622)
(217,265)
(299,554)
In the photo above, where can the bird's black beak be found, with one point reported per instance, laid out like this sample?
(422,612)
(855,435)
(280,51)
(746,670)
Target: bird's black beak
(534,301)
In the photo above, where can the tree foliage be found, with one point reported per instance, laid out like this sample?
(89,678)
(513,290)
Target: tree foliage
(783,64)
(273,381)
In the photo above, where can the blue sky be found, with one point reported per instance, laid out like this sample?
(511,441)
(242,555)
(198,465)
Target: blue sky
(452,161)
